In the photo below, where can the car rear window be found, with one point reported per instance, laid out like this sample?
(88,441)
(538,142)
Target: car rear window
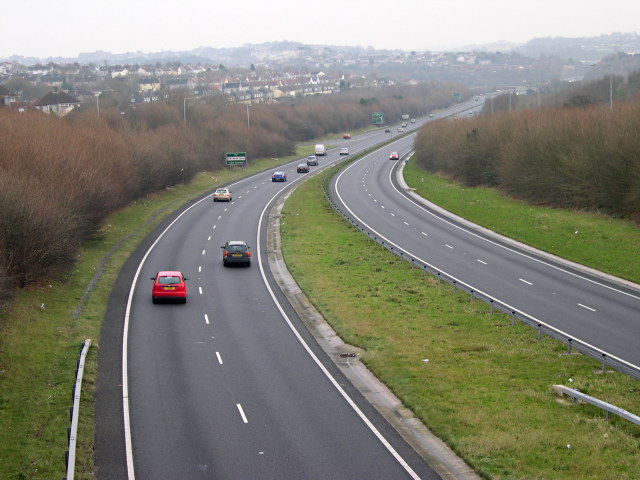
(168,280)
(237,248)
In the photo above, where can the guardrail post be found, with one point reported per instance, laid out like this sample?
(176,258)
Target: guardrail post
(513,318)
(604,362)
(471,297)
(453,284)
(569,345)
(539,331)
(491,306)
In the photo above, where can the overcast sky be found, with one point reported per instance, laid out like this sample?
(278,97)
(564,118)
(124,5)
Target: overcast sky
(65,28)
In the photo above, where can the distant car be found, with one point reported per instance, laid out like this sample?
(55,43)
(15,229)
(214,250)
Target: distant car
(404,124)
(312,160)
(413,120)
(169,285)
(387,130)
(222,195)
(302,168)
(431,115)
(346,136)
(236,251)
(394,156)
(344,151)
(400,129)
(279,177)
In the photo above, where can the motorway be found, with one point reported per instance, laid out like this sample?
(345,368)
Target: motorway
(603,312)
(230,385)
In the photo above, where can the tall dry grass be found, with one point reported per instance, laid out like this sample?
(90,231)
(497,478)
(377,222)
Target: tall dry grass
(59,178)
(583,158)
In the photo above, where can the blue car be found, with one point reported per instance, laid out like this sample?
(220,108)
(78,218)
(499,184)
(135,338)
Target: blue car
(279,177)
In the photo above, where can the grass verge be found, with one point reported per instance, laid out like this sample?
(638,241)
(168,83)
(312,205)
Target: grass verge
(597,241)
(40,340)
(479,383)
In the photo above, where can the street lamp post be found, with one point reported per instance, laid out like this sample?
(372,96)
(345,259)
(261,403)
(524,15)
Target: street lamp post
(97,94)
(610,89)
(184,109)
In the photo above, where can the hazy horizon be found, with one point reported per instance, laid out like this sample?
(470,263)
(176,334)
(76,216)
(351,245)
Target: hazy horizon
(120,26)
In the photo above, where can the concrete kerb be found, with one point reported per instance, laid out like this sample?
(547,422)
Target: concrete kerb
(433,450)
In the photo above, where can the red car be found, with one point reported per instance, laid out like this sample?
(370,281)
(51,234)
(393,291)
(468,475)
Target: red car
(169,285)
(394,156)
(346,136)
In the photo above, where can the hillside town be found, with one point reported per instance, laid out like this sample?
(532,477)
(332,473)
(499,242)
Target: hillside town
(264,74)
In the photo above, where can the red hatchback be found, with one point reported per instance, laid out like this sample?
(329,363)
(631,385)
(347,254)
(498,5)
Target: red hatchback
(169,285)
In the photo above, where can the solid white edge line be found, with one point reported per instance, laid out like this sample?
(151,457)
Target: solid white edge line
(333,381)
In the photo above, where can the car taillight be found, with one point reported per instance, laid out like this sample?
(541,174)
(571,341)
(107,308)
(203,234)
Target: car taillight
(248,254)
(225,253)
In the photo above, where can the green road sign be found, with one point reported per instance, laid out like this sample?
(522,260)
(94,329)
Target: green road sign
(376,118)
(457,96)
(239,158)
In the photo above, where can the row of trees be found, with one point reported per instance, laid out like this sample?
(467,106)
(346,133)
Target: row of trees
(60,178)
(584,158)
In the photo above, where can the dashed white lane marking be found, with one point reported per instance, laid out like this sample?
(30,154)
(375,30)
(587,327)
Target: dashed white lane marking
(425,234)
(392,214)
(200,290)
(244,417)
(448,246)
(482,262)
(200,268)
(209,238)
(214,227)
(524,281)
(219,358)
(588,308)
(219,217)
(406,223)
(206,319)
(204,251)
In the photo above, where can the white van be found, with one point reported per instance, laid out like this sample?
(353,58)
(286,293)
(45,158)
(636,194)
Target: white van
(320,150)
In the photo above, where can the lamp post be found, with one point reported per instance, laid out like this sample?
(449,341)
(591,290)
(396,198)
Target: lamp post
(97,94)
(610,89)
(610,85)
(184,109)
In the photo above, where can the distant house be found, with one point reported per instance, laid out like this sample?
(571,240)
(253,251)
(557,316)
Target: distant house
(7,97)
(146,85)
(58,102)
(178,82)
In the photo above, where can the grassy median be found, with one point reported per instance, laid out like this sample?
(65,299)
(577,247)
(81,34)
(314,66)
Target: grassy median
(478,382)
